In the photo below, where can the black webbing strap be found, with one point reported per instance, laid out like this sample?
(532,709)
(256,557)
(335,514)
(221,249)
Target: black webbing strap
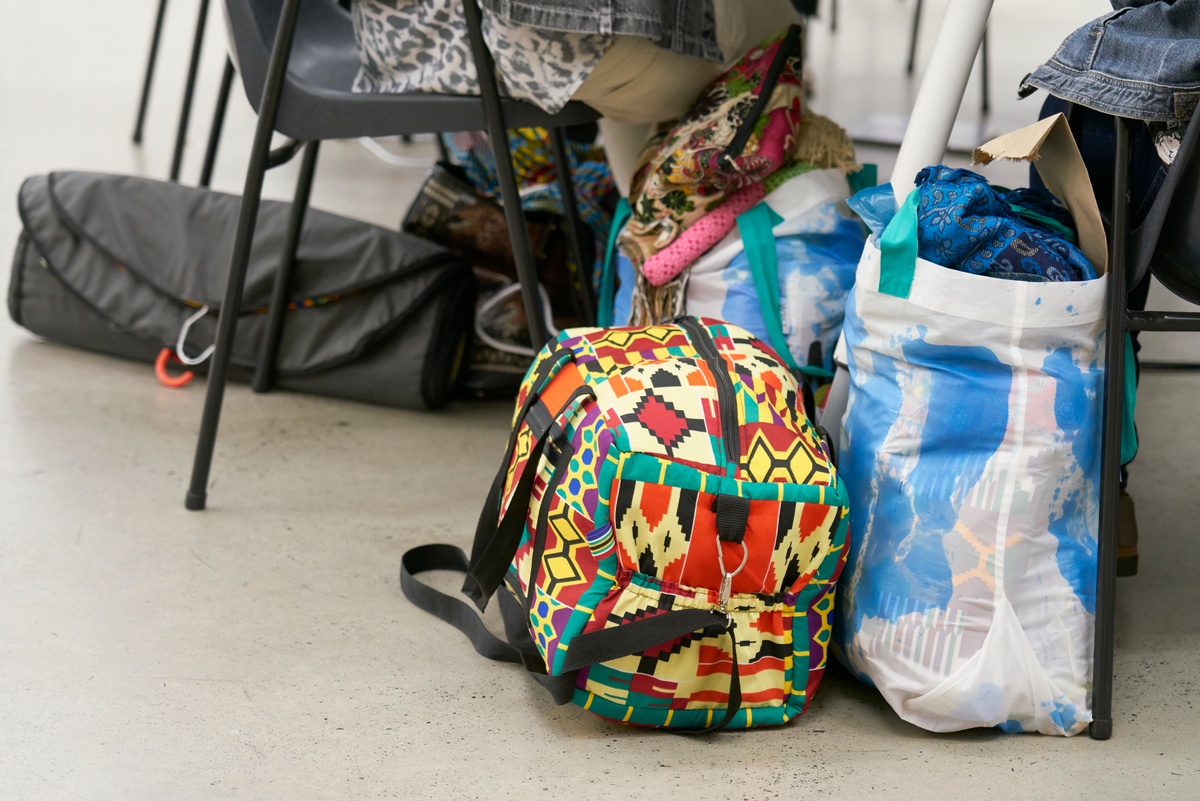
(637,636)
(490,562)
(561,453)
(735,687)
(585,649)
(494,550)
(455,612)
(733,512)
(490,516)
(649,632)
(519,649)
(516,626)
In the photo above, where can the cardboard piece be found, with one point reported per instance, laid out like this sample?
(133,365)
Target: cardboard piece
(1050,147)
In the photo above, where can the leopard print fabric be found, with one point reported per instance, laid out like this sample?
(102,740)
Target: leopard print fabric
(422,46)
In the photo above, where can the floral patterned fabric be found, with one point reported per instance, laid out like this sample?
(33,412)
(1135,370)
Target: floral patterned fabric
(689,174)
(1021,234)
(421,46)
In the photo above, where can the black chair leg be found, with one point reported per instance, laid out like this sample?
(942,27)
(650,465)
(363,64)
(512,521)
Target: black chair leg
(189,89)
(509,194)
(580,269)
(218,123)
(1110,445)
(985,104)
(151,60)
(264,372)
(912,43)
(247,217)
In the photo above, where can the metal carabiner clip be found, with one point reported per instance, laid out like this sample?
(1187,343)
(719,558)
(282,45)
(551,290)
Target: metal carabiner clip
(192,361)
(726,589)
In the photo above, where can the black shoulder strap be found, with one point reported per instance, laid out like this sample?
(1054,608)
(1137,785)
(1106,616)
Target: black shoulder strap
(519,649)
(496,542)
(490,517)
(585,649)
(448,557)
(640,635)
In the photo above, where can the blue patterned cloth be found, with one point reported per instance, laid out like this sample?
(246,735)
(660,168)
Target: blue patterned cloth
(965,223)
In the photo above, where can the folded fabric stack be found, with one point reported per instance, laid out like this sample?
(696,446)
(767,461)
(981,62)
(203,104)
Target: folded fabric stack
(659,292)
(742,129)
(695,168)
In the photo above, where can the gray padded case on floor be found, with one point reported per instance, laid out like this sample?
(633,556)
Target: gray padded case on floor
(117,264)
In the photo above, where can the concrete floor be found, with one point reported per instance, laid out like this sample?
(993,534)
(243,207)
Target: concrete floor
(262,649)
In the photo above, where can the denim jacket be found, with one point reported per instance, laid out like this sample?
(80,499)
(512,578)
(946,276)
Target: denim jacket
(682,26)
(1140,61)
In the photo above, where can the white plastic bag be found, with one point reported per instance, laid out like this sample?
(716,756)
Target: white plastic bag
(816,240)
(797,300)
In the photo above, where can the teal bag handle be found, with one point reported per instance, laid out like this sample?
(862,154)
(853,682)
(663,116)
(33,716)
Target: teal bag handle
(755,225)
(898,250)
(608,276)
(758,237)
(1129,441)
(865,178)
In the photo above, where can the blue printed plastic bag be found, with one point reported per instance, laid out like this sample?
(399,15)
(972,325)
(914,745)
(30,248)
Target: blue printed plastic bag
(784,275)
(970,449)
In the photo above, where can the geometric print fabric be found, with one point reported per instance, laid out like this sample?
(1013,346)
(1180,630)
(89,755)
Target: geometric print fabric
(693,672)
(670,533)
(616,549)
(666,409)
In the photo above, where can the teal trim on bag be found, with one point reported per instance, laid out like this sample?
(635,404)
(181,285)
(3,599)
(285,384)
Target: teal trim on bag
(898,250)
(650,469)
(865,178)
(658,716)
(758,237)
(1129,441)
(608,276)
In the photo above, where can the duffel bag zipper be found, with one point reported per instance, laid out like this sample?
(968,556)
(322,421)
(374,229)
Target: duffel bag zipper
(726,399)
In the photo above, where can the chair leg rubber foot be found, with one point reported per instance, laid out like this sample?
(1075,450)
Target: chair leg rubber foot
(195,500)
(1100,729)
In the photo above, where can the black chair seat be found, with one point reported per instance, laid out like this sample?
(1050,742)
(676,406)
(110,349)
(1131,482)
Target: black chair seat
(317,99)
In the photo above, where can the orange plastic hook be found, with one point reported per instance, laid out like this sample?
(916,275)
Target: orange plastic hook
(166,379)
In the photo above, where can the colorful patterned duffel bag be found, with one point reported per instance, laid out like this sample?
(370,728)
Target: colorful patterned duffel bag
(668,527)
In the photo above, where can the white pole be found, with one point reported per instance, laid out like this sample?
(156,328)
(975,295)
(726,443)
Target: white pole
(941,91)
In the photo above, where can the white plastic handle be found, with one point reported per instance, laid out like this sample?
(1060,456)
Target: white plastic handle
(941,91)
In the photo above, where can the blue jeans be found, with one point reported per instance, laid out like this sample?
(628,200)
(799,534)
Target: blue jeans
(1140,61)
